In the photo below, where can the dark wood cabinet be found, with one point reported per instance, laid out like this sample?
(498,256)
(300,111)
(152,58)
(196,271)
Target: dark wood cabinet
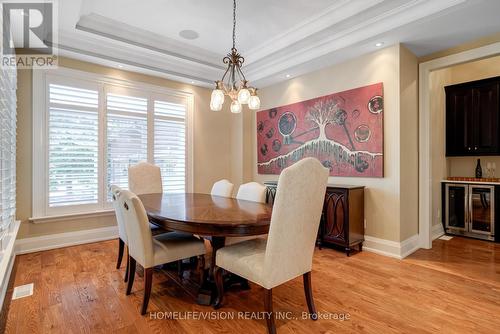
(472,118)
(342,220)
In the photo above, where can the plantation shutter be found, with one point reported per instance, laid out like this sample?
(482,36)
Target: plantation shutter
(8,86)
(170,144)
(73,132)
(127,134)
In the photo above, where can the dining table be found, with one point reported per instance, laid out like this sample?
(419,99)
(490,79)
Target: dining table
(214,218)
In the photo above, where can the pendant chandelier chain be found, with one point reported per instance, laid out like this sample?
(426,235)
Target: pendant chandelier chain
(234,24)
(233,82)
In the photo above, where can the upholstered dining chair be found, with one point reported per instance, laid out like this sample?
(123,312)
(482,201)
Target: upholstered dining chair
(252,191)
(122,235)
(145,178)
(222,188)
(151,251)
(289,248)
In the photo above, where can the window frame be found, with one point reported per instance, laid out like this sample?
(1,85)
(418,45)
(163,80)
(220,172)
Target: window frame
(104,84)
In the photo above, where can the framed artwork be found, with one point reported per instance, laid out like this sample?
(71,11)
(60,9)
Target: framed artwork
(345,131)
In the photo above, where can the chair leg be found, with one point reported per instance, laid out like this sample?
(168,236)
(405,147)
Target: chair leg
(121,246)
(201,268)
(127,268)
(268,305)
(179,269)
(131,275)
(219,281)
(309,296)
(148,276)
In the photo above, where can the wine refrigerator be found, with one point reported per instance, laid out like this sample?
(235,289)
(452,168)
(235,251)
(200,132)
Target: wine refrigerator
(470,210)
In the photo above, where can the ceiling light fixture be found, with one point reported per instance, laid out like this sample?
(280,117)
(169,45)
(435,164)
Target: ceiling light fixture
(379,44)
(233,82)
(288,75)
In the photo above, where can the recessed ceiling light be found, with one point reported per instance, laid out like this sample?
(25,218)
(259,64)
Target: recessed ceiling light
(192,82)
(189,34)
(379,44)
(120,66)
(288,75)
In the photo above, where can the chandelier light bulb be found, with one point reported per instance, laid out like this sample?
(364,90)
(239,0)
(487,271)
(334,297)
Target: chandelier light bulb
(215,106)
(235,107)
(217,97)
(243,96)
(254,102)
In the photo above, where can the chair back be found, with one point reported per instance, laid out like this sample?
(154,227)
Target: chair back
(144,178)
(295,220)
(115,195)
(140,239)
(252,191)
(222,188)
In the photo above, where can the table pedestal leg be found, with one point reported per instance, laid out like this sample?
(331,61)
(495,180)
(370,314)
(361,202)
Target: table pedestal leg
(208,290)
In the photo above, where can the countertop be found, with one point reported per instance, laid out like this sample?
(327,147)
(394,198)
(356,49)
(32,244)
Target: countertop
(471,182)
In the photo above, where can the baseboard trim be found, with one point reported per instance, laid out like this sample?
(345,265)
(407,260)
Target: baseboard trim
(437,231)
(7,257)
(394,249)
(59,240)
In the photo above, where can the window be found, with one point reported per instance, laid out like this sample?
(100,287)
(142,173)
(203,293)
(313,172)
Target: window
(7,149)
(127,136)
(73,146)
(90,129)
(170,144)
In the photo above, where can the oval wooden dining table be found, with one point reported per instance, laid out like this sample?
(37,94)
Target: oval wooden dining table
(213,217)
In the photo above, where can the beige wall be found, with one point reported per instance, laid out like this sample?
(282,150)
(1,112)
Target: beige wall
(408,81)
(456,166)
(386,217)
(213,147)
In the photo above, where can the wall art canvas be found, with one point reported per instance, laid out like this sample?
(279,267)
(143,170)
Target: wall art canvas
(343,130)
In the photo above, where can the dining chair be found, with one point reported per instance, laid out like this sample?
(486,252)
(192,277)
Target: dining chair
(145,178)
(254,192)
(289,248)
(151,251)
(122,235)
(222,188)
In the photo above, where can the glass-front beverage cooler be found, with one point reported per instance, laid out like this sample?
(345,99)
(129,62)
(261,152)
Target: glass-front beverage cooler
(470,210)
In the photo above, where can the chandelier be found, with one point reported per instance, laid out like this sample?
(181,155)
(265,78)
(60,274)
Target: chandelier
(233,82)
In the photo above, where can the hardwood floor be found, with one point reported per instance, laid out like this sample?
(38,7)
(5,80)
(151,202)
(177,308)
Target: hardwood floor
(453,288)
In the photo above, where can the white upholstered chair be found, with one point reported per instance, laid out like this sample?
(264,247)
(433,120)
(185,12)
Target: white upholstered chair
(222,188)
(151,251)
(252,191)
(122,235)
(145,178)
(289,248)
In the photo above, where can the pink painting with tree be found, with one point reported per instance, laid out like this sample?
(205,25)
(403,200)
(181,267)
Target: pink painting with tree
(343,130)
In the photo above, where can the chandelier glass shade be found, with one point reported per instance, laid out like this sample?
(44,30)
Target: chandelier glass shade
(233,82)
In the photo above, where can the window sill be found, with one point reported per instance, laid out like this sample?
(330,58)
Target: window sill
(73,216)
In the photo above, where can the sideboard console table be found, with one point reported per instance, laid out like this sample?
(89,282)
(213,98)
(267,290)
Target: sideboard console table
(342,221)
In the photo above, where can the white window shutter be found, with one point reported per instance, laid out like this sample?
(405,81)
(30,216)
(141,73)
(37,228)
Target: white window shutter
(170,144)
(73,133)
(8,86)
(127,133)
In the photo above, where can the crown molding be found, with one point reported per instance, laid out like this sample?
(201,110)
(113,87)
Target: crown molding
(332,15)
(106,27)
(346,25)
(365,30)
